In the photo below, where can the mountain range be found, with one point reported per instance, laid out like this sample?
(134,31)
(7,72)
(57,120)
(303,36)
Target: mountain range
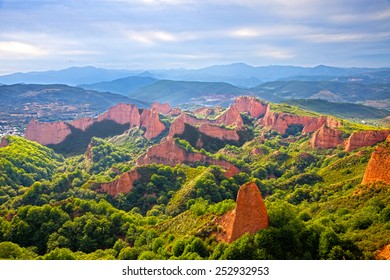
(238,74)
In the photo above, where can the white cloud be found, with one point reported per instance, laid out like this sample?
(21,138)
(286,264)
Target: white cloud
(20,49)
(346,37)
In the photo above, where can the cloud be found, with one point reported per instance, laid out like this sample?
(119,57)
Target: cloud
(20,50)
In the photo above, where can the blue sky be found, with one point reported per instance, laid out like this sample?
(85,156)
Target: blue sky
(153,34)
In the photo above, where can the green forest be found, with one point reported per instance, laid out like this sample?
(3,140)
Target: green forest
(50,206)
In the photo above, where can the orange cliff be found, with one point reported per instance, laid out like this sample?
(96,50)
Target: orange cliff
(216,131)
(365,138)
(151,121)
(326,138)
(250,105)
(47,133)
(205,126)
(124,184)
(281,121)
(230,117)
(56,132)
(161,108)
(250,215)
(122,114)
(169,153)
(378,168)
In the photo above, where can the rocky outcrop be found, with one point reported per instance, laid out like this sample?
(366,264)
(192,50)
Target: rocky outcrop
(205,111)
(169,153)
(150,120)
(122,114)
(82,123)
(383,254)
(161,108)
(378,168)
(250,215)
(4,142)
(175,112)
(365,138)
(124,184)
(250,105)
(56,132)
(231,117)
(281,121)
(47,133)
(178,125)
(216,131)
(326,138)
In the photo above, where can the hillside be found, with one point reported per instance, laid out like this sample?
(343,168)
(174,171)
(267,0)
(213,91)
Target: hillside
(254,181)
(341,110)
(122,86)
(178,92)
(326,90)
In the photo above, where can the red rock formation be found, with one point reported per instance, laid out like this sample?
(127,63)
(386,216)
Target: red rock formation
(177,126)
(383,254)
(161,108)
(205,111)
(378,168)
(365,138)
(250,105)
(122,185)
(216,131)
(230,117)
(4,142)
(169,153)
(250,214)
(175,112)
(326,138)
(47,133)
(55,133)
(82,123)
(122,114)
(151,121)
(281,121)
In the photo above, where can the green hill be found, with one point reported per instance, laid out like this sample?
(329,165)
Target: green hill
(178,92)
(341,110)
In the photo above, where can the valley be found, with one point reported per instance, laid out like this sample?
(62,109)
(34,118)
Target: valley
(251,180)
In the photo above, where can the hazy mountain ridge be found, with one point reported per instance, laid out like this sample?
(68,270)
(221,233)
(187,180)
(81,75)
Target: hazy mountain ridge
(238,74)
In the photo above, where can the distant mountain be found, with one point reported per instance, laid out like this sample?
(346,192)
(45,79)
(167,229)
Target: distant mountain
(179,92)
(237,74)
(326,90)
(122,86)
(341,110)
(70,76)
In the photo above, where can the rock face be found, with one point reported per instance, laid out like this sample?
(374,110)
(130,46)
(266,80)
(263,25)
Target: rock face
(250,105)
(82,123)
(47,133)
(230,117)
(150,120)
(281,121)
(250,214)
(378,168)
(4,142)
(122,185)
(161,108)
(383,254)
(122,114)
(216,131)
(326,138)
(56,132)
(169,153)
(365,138)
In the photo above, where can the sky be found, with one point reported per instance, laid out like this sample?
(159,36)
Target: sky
(155,34)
